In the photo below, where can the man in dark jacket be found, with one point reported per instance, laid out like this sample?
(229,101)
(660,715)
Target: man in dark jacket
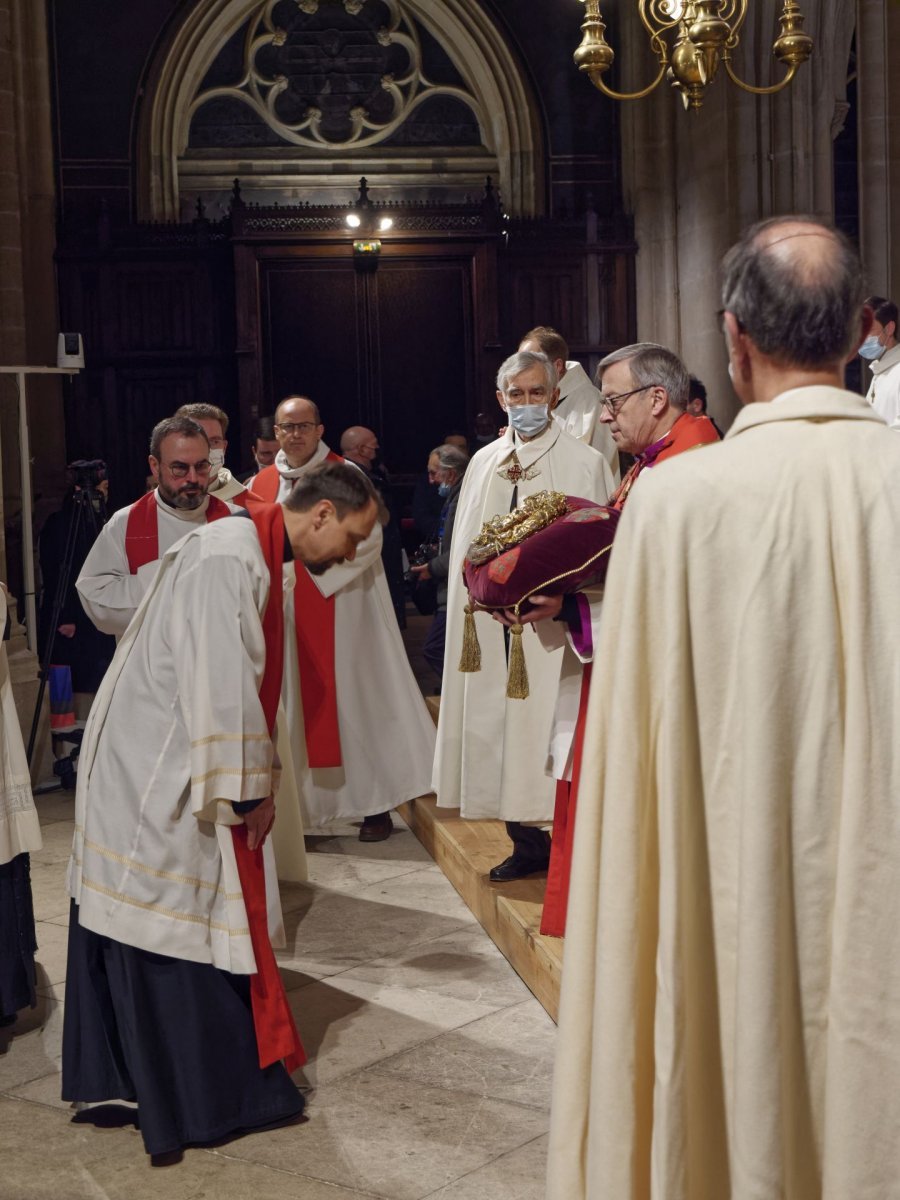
(451,466)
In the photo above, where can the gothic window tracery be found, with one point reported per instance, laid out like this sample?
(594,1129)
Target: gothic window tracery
(300,97)
(336,74)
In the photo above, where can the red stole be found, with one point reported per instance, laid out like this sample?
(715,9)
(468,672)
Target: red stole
(142,530)
(314,627)
(276,1033)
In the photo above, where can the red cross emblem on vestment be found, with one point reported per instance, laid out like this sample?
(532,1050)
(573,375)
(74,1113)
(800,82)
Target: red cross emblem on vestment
(516,472)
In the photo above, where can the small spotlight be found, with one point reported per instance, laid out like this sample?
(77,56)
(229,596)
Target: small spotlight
(353,221)
(386,223)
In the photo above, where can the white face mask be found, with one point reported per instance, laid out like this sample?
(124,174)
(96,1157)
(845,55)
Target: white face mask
(871,348)
(731,370)
(216,460)
(528,419)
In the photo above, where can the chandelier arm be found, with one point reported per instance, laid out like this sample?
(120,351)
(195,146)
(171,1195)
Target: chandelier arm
(596,78)
(762,91)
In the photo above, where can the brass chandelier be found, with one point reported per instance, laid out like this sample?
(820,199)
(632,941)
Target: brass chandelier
(703,34)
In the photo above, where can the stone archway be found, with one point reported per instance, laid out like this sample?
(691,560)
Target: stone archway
(493,85)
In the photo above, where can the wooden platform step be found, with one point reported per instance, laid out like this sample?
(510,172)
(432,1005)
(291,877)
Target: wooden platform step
(510,912)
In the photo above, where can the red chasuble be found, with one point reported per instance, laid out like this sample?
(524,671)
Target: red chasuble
(314,627)
(142,530)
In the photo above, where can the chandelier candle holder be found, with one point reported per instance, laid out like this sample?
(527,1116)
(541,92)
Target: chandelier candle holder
(690,39)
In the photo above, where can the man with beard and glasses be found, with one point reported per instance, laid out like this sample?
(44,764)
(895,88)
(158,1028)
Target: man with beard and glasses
(123,560)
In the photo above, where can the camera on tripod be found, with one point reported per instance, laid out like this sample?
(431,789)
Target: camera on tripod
(87,474)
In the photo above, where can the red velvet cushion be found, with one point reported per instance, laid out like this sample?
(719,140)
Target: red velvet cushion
(569,554)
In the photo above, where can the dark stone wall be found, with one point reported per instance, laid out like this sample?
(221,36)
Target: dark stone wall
(581,124)
(100,50)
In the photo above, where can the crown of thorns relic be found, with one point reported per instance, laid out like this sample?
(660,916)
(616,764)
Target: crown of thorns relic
(551,544)
(509,529)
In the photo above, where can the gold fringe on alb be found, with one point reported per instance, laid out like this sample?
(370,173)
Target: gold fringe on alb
(470,658)
(517,679)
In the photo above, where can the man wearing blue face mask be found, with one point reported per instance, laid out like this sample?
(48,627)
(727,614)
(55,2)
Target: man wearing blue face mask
(492,750)
(883,352)
(450,463)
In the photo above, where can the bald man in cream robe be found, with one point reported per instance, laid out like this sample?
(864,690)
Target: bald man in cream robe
(729,1022)
(386,732)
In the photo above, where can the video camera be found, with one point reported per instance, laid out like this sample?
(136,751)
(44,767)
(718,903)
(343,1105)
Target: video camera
(86,474)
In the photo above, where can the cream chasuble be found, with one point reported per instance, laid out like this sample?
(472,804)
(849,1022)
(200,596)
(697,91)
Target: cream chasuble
(730,1024)
(177,733)
(492,751)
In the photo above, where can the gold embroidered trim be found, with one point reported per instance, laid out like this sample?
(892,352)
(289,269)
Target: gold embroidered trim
(240,771)
(192,918)
(156,873)
(231,737)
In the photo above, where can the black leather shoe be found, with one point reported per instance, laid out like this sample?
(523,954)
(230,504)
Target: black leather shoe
(517,866)
(376,829)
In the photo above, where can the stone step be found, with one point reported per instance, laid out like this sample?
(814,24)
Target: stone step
(510,913)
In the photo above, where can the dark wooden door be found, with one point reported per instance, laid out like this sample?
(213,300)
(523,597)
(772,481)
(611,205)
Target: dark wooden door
(392,349)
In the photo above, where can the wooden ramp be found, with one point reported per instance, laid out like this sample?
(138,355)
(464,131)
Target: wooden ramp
(509,912)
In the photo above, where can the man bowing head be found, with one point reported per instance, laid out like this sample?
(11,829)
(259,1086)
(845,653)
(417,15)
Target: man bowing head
(358,735)
(170,957)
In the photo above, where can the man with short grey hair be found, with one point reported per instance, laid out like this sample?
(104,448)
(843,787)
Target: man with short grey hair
(728,1019)
(492,749)
(578,410)
(644,392)
(451,463)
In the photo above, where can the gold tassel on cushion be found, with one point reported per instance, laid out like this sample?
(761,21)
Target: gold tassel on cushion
(517,680)
(470,659)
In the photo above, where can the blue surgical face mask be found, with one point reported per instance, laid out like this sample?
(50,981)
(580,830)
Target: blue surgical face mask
(528,419)
(871,347)
(443,489)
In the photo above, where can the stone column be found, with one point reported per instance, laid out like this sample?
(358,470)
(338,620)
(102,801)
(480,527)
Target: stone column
(694,179)
(878,50)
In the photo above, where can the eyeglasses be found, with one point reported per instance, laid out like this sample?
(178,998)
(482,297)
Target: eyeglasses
(179,470)
(292,427)
(614,403)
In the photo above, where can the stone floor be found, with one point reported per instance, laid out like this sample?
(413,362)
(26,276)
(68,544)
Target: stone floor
(429,1072)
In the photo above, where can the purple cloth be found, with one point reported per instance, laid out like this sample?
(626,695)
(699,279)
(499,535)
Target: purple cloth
(581,630)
